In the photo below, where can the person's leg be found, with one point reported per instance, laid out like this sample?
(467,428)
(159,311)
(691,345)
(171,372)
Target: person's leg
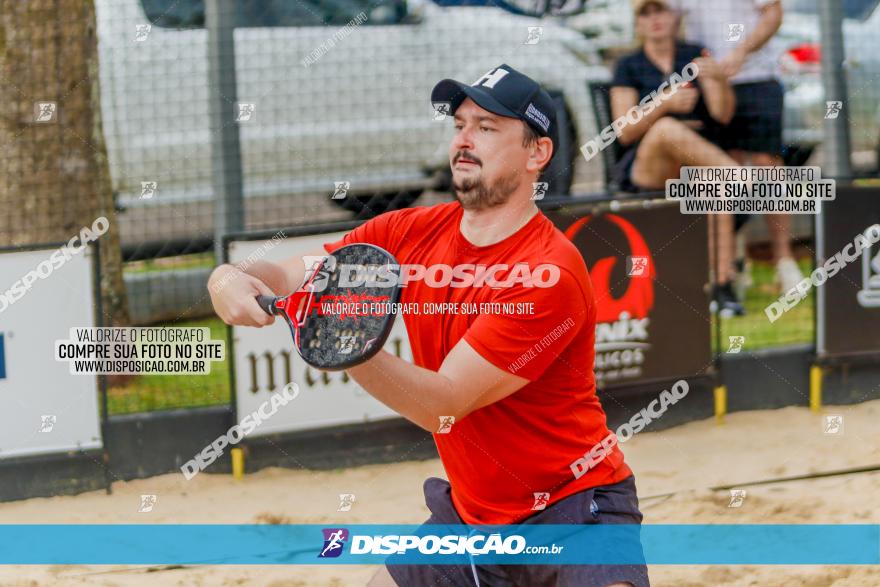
(780,233)
(779,225)
(382,579)
(438,498)
(756,130)
(721,234)
(740,156)
(666,147)
(609,504)
(742,280)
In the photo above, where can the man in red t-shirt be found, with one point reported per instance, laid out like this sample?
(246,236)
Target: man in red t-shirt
(505,380)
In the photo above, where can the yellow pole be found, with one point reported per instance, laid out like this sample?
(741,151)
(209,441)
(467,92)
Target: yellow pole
(720,403)
(237,463)
(815,388)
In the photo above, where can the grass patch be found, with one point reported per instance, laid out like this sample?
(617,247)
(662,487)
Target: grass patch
(146,393)
(794,327)
(197,260)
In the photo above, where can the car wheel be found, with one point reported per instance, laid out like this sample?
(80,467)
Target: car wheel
(796,156)
(877,167)
(366,207)
(560,173)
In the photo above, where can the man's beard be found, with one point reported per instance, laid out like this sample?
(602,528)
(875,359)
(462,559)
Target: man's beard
(475,194)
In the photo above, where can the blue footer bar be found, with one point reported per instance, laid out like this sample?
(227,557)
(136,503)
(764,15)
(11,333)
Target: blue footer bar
(662,544)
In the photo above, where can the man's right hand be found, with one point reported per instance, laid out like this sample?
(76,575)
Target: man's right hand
(233,294)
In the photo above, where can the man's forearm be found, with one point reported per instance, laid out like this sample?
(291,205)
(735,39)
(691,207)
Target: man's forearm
(272,275)
(269,273)
(418,394)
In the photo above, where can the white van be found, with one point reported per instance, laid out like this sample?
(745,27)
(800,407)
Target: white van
(330,102)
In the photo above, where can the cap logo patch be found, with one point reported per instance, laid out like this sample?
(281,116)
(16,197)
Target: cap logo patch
(491,77)
(538,117)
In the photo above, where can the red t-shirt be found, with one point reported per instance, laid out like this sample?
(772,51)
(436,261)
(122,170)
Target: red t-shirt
(499,456)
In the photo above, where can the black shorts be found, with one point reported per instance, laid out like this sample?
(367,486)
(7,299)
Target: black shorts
(757,124)
(608,504)
(623,172)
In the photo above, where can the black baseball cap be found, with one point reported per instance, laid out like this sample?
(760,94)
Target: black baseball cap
(506,92)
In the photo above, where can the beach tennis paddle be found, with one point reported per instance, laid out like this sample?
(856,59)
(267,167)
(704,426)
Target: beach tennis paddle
(343,313)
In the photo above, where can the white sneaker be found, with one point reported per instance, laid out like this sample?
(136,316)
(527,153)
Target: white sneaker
(788,274)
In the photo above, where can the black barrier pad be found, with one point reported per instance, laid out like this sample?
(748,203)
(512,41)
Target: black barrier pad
(850,311)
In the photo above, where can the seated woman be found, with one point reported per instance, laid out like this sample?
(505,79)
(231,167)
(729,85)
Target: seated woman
(682,129)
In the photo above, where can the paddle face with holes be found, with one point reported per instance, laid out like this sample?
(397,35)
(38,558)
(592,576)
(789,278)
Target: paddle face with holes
(343,314)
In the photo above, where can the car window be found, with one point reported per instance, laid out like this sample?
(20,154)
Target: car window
(854,9)
(187,14)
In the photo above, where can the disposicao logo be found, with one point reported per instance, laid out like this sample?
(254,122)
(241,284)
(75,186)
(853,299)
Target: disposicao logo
(334,542)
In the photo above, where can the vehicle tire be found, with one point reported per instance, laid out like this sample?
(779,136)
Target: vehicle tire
(877,167)
(369,206)
(560,173)
(796,156)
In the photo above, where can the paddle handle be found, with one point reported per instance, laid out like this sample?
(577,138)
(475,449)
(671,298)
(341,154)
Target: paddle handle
(268,304)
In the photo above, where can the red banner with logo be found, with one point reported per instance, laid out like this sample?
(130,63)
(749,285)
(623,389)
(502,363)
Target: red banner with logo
(649,265)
